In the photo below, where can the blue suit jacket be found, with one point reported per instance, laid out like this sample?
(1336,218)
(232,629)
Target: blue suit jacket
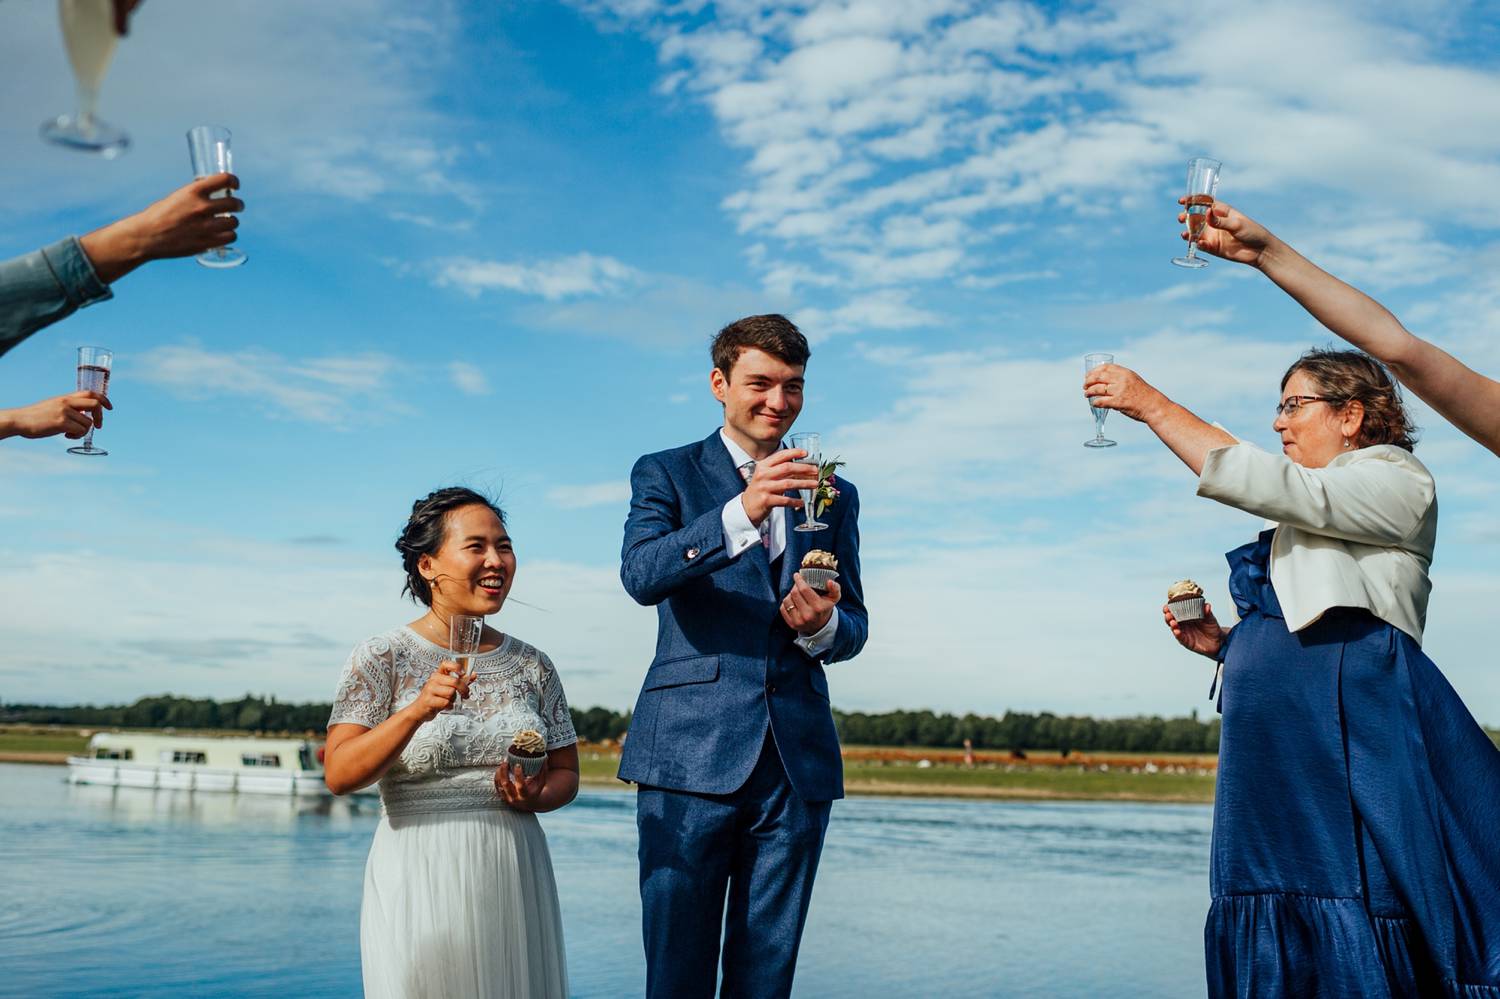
(726,666)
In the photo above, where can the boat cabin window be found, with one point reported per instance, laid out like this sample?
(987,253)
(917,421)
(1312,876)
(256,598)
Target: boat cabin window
(188,756)
(114,754)
(261,760)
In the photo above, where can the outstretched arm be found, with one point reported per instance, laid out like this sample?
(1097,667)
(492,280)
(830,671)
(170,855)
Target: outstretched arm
(1111,386)
(42,287)
(1464,396)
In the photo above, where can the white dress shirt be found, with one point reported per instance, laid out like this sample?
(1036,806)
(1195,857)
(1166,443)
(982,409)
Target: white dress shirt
(741,535)
(1356,533)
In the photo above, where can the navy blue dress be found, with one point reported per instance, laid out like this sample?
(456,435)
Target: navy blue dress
(1356,839)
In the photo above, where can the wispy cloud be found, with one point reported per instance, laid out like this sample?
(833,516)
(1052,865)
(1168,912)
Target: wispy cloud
(317,389)
(563,277)
(594,494)
(898,144)
(468,378)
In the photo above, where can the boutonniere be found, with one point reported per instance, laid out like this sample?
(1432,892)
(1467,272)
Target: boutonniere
(828,489)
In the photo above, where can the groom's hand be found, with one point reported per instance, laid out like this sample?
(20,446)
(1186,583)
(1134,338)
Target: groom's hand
(773,476)
(805,609)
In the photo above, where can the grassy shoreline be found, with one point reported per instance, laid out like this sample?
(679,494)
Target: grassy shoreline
(868,770)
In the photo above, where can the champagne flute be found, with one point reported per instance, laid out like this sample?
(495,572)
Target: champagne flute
(94,364)
(813,445)
(1090,362)
(88,28)
(208,145)
(1202,182)
(464,631)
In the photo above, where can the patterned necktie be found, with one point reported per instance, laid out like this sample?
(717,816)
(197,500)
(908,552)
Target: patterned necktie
(746,471)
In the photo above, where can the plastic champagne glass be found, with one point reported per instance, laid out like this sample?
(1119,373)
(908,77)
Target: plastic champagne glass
(94,365)
(88,29)
(1202,182)
(1090,362)
(208,145)
(813,445)
(464,631)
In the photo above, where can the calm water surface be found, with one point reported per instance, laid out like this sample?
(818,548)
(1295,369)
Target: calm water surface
(145,893)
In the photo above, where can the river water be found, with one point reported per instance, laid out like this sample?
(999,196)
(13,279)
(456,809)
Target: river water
(148,893)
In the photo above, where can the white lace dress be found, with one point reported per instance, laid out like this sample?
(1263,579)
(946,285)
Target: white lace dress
(459,896)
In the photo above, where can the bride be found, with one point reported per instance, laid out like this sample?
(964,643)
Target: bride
(459,898)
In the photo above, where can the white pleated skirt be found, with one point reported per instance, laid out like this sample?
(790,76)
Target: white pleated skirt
(461,904)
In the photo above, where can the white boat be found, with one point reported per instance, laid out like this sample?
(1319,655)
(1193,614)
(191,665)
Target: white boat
(201,763)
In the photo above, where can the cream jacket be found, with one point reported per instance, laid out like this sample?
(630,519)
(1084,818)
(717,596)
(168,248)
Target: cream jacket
(1356,533)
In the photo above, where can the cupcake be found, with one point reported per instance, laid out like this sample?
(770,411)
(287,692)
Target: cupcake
(818,567)
(528,750)
(1185,598)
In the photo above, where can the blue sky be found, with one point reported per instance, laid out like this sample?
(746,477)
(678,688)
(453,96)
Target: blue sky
(489,243)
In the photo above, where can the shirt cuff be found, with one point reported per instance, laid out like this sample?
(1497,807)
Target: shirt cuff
(75,273)
(740,534)
(821,640)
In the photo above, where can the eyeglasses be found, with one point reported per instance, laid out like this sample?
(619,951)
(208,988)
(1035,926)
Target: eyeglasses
(1292,403)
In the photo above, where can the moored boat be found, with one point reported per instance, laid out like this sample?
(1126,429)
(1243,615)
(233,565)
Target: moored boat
(201,763)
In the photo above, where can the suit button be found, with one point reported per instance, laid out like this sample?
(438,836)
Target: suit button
(770,687)
(690,554)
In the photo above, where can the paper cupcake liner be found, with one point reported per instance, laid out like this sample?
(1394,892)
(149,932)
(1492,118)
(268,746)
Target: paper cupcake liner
(1187,609)
(530,765)
(818,578)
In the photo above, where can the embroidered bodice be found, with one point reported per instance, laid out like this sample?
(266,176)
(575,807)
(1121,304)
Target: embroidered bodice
(449,763)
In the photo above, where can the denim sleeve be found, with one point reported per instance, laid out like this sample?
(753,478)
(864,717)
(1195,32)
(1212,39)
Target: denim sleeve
(39,288)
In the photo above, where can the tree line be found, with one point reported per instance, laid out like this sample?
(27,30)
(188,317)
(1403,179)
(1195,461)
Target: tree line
(1014,730)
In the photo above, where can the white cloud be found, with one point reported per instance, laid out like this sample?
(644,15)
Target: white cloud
(593,494)
(468,378)
(562,277)
(886,144)
(327,390)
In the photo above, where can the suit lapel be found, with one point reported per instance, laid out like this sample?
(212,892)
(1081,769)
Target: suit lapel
(724,483)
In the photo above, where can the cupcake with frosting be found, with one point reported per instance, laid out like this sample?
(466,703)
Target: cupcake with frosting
(1185,599)
(528,750)
(818,567)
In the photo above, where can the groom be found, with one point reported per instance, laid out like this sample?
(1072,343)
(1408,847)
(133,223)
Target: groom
(732,741)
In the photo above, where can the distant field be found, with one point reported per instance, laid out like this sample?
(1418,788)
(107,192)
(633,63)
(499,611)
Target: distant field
(874,770)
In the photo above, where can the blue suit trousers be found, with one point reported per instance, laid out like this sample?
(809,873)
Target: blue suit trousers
(757,849)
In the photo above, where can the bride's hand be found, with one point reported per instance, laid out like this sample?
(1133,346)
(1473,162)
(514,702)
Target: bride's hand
(440,691)
(519,791)
(1203,636)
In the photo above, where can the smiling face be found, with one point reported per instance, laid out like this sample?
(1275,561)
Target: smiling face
(762,396)
(471,573)
(1316,432)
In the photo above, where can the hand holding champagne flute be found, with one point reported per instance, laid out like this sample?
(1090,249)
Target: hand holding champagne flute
(208,147)
(1090,362)
(94,365)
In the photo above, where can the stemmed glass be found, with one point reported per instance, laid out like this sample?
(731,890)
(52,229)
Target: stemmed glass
(208,145)
(464,631)
(88,28)
(94,364)
(1202,182)
(1090,362)
(813,445)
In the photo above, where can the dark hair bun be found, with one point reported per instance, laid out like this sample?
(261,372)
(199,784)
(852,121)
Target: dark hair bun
(426,528)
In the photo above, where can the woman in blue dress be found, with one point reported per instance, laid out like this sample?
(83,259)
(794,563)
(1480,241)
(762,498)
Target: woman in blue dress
(1356,842)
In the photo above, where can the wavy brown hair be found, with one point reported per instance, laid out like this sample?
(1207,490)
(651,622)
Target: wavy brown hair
(1346,376)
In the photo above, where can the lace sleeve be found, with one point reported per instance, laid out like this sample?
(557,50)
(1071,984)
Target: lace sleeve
(364,696)
(555,713)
